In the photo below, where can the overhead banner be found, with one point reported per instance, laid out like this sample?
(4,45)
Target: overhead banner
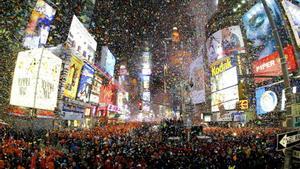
(271,65)
(36,78)
(197,76)
(81,40)
(85,84)
(95,92)
(225,42)
(293,12)
(73,76)
(37,31)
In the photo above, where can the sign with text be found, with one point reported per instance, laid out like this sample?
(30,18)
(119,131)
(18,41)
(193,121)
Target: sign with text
(36,78)
(271,65)
(287,140)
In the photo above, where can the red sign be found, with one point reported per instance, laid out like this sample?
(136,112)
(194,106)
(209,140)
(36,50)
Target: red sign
(271,65)
(106,94)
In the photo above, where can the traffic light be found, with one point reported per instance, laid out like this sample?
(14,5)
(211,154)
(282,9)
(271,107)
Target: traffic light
(140,105)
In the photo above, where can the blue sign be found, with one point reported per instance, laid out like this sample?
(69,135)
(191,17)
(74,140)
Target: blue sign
(85,84)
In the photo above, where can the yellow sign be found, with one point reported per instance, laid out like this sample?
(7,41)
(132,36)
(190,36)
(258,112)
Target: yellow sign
(73,76)
(244,105)
(222,67)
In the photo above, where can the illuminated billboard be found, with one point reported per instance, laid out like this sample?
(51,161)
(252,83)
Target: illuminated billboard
(224,80)
(226,98)
(293,12)
(85,83)
(108,61)
(107,94)
(197,76)
(95,92)
(37,31)
(71,84)
(225,42)
(36,78)
(81,40)
(259,31)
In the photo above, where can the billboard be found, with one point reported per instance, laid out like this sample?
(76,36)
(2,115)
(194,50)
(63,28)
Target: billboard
(108,61)
(48,81)
(35,81)
(224,80)
(271,65)
(225,99)
(258,29)
(293,12)
(37,31)
(81,40)
(72,79)
(95,92)
(225,42)
(85,83)
(197,76)
(106,94)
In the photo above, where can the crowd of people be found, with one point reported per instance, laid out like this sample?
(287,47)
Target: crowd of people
(135,145)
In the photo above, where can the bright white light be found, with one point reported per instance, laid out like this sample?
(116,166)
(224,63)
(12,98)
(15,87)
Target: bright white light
(217,2)
(243,1)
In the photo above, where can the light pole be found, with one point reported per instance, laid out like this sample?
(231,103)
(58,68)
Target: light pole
(289,94)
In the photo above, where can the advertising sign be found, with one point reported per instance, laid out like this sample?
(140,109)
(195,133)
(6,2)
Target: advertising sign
(85,84)
(259,31)
(73,76)
(197,76)
(35,81)
(293,12)
(225,99)
(108,61)
(95,92)
(225,42)
(48,81)
(36,33)
(271,65)
(81,40)
(25,78)
(106,94)
(224,80)
(146,96)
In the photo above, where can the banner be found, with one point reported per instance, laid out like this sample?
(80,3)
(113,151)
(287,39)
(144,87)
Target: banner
(36,78)
(106,94)
(95,92)
(197,76)
(85,84)
(293,13)
(36,33)
(81,40)
(225,42)
(271,65)
(72,78)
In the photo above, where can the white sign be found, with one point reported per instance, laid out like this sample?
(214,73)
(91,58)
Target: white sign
(226,98)
(36,78)
(224,79)
(48,80)
(81,40)
(197,76)
(268,101)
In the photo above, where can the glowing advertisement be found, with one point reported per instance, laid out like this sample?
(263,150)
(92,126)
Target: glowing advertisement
(271,65)
(258,29)
(146,96)
(226,99)
(48,81)
(108,61)
(197,76)
(36,78)
(224,80)
(72,79)
(95,92)
(225,42)
(37,31)
(106,94)
(81,40)
(293,12)
(85,83)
